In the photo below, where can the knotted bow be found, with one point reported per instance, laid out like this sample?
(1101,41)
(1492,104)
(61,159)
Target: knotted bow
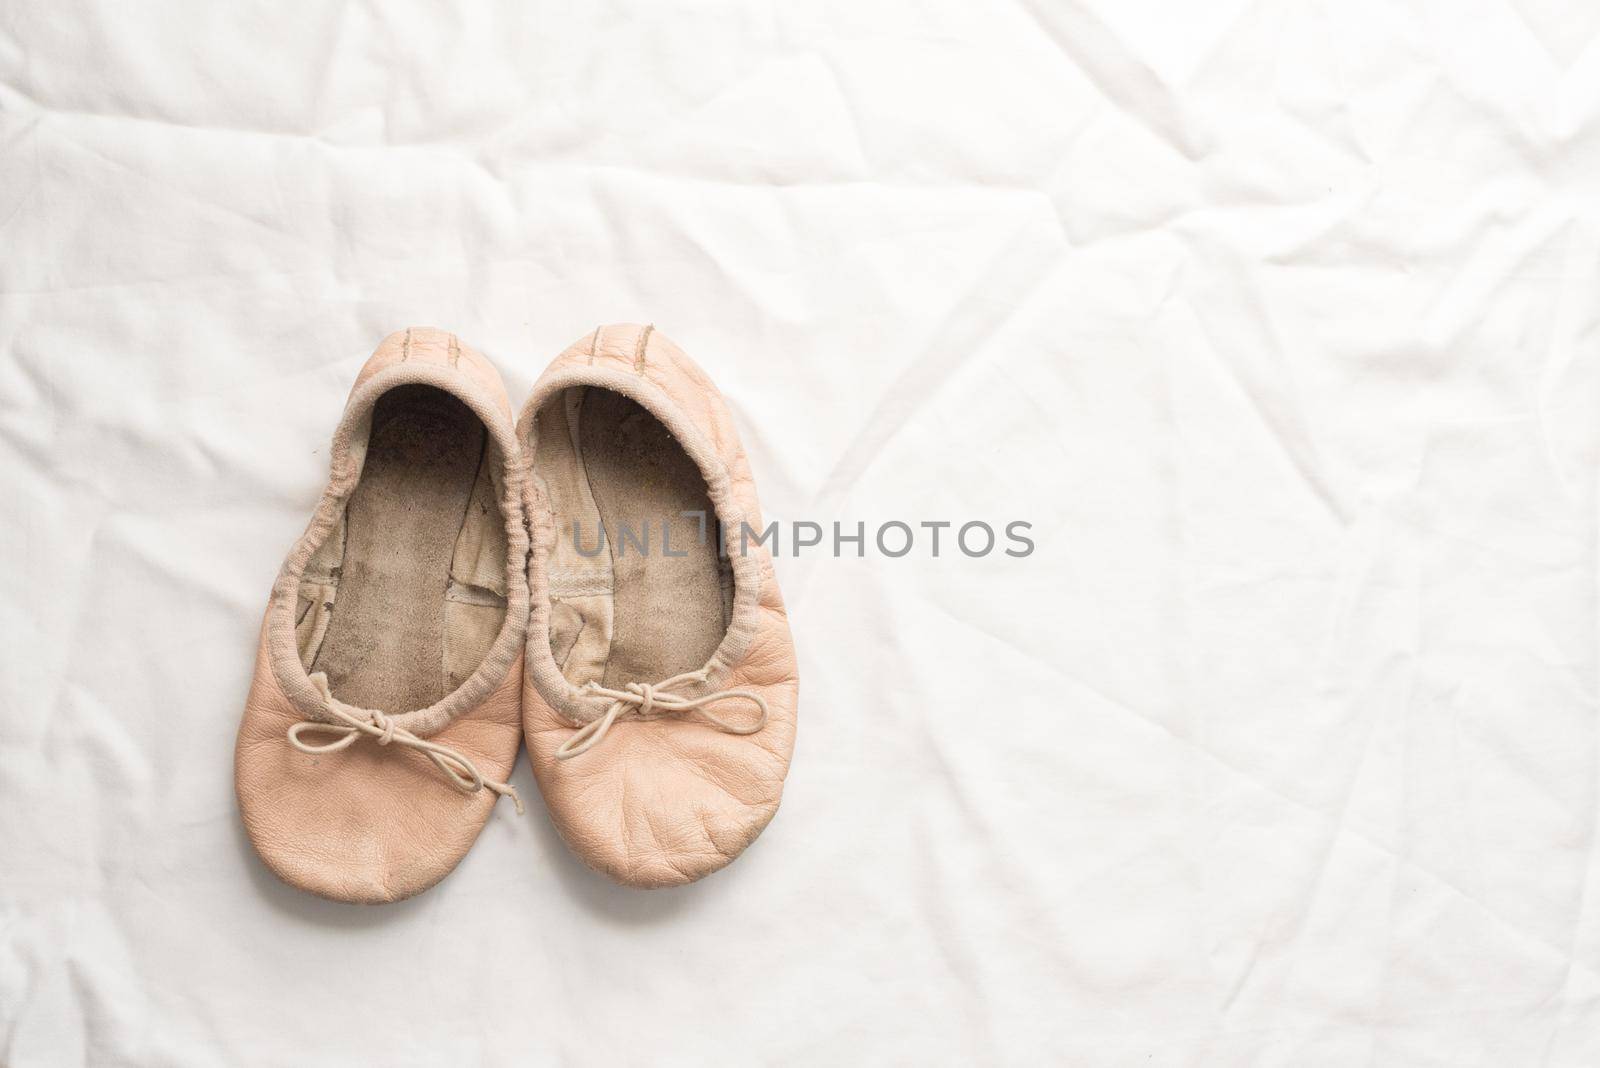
(461,771)
(650,701)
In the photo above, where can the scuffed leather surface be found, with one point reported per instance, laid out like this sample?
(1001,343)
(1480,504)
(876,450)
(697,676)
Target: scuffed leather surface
(667,801)
(368,824)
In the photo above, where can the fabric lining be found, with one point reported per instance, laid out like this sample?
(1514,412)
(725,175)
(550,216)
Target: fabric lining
(403,601)
(657,601)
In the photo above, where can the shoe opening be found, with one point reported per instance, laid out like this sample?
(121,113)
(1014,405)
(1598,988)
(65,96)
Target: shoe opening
(403,601)
(640,588)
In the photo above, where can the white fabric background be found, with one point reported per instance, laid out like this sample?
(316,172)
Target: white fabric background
(1279,321)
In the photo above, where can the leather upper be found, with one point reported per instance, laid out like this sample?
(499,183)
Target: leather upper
(667,801)
(374,823)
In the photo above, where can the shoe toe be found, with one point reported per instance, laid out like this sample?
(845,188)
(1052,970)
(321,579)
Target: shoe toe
(663,802)
(369,823)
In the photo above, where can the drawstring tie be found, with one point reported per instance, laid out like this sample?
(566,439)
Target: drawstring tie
(654,701)
(355,722)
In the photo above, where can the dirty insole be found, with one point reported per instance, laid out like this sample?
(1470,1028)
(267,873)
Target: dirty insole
(385,643)
(669,609)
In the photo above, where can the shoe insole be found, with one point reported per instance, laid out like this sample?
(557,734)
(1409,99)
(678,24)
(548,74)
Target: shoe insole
(384,647)
(669,609)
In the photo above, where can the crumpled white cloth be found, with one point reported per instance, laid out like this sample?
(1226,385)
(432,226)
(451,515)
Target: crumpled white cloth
(1280,322)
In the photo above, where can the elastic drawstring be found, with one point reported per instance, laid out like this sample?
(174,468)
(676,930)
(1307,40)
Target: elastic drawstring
(356,722)
(647,698)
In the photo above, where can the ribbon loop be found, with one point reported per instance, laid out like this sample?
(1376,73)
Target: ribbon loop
(462,773)
(654,700)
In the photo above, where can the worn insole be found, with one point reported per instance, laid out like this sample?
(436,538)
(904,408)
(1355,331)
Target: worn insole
(384,647)
(669,609)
